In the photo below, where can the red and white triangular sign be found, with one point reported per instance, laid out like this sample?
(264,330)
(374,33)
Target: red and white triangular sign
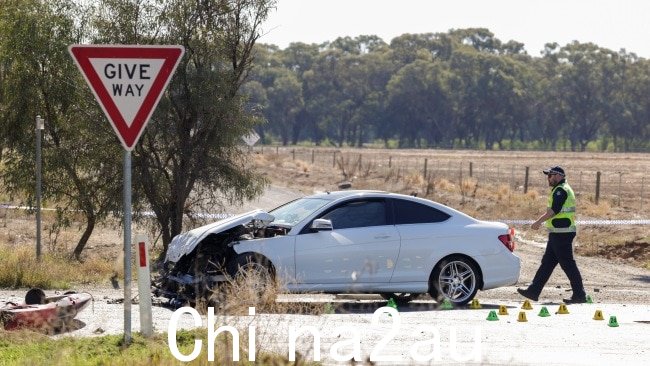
(128,81)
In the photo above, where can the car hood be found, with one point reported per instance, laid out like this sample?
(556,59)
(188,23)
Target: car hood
(185,243)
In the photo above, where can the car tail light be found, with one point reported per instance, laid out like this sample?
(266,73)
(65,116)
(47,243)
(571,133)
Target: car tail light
(509,239)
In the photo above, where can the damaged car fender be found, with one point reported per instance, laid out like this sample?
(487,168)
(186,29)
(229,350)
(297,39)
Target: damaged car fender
(279,251)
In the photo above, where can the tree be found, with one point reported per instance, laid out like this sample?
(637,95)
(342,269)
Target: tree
(628,124)
(586,88)
(419,103)
(285,102)
(39,77)
(190,155)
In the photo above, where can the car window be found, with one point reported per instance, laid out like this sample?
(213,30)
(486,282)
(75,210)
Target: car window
(409,212)
(358,214)
(295,211)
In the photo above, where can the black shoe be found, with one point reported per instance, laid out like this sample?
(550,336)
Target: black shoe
(579,300)
(526,293)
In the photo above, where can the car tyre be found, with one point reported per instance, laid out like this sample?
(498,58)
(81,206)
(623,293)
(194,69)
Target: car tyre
(456,278)
(252,276)
(35,296)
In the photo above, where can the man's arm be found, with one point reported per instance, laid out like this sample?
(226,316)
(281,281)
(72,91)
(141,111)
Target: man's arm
(547,215)
(559,197)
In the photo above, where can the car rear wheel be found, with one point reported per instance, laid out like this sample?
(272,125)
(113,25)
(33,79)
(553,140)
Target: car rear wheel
(401,298)
(456,278)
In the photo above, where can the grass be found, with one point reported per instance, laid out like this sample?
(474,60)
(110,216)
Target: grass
(20,268)
(29,348)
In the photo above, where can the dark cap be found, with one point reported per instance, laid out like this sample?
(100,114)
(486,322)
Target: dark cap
(554,170)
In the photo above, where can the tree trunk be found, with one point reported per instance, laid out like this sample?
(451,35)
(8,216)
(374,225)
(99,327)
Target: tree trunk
(295,132)
(90,225)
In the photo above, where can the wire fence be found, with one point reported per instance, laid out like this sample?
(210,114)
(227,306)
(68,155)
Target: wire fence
(616,178)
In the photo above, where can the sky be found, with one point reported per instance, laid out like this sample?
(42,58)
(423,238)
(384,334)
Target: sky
(612,24)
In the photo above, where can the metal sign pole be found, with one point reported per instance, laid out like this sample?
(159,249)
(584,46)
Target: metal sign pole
(39,127)
(127,247)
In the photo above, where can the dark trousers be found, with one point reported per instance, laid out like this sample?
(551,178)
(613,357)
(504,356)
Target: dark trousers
(559,249)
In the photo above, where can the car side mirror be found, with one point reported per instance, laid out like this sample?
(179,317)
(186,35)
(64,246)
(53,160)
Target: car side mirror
(321,225)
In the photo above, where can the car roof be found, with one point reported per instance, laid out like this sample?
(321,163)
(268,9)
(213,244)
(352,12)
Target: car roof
(335,195)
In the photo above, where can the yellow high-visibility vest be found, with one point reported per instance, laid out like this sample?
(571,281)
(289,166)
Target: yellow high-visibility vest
(568,210)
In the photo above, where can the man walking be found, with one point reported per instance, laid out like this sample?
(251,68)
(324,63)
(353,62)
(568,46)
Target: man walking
(561,224)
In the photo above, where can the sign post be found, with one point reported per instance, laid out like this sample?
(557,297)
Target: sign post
(144,284)
(127,81)
(40,124)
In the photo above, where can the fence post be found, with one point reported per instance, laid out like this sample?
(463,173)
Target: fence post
(460,175)
(471,169)
(597,188)
(580,185)
(293,154)
(390,161)
(642,184)
(620,178)
(526,181)
(512,177)
(276,150)
(334,159)
(426,160)
(312,156)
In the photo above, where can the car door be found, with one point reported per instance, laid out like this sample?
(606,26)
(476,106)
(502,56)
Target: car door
(362,247)
(423,231)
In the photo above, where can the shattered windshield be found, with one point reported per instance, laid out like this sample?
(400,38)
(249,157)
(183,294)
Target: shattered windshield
(295,211)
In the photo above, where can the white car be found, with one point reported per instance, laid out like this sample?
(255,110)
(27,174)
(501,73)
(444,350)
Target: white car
(348,242)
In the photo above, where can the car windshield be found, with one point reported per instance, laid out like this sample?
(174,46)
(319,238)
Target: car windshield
(295,211)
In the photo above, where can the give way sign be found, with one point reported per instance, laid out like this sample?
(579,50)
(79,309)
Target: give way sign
(128,81)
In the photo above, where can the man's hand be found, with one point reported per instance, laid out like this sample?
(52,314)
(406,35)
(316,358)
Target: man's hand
(547,215)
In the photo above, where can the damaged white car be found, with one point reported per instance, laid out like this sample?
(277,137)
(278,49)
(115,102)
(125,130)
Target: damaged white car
(347,242)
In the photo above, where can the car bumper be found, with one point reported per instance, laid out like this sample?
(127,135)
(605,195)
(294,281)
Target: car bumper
(503,270)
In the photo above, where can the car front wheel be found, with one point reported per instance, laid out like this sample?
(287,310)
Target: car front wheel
(457,278)
(253,279)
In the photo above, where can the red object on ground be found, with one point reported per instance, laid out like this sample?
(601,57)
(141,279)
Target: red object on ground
(54,313)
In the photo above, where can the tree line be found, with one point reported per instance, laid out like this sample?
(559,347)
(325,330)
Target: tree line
(460,89)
